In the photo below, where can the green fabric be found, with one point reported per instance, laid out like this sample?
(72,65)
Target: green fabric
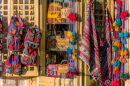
(126,76)
(74,42)
(121,75)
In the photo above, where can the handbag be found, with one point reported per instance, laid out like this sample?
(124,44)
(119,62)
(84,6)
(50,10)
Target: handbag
(61,44)
(52,42)
(62,68)
(52,70)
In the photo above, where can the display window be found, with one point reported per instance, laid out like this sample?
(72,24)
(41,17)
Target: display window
(61,38)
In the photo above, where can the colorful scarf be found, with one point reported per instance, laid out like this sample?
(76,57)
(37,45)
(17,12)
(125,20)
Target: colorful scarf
(89,48)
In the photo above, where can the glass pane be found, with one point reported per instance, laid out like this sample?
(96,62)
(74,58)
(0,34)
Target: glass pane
(26,7)
(20,1)
(21,7)
(5,18)
(15,7)
(15,1)
(5,12)
(26,1)
(5,1)
(21,12)
(5,7)
(26,13)
(31,1)
(32,7)
(32,13)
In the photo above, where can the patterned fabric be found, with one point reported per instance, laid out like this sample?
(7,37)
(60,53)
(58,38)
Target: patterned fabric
(89,48)
(106,68)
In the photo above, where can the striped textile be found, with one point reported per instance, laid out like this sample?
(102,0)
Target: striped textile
(106,68)
(89,48)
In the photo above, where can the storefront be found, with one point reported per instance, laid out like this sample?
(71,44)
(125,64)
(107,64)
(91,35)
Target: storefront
(52,21)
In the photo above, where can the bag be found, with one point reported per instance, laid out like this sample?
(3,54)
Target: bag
(15,32)
(33,38)
(62,68)
(64,14)
(29,57)
(52,42)
(54,13)
(13,65)
(52,70)
(61,44)
(16,26)
(14,43)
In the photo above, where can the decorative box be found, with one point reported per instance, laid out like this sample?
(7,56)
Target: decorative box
(52,70)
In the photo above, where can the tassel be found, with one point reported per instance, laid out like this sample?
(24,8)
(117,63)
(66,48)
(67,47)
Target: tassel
(125,52)
(113,60)
(73,34)
(73,51)
(121,34)
(70,16)
(120,59)
(114,23)
(126,56)
(69,51)
(74,57)
(116,43)
(115,68)
(119,2)
(122,14)
(74,17)
(118,82)
(126,76)
(69,34)
(116,28)
(120,23)
(115,82)
(121,52)
(126,34)
(117,23)
(125,13)
(115,48)
(74,42)
(115,63)
(121,75)
(112,84)
(71,39)
(118,63)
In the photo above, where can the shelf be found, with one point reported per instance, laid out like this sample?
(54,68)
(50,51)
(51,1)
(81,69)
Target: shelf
(61,23)
(56,50)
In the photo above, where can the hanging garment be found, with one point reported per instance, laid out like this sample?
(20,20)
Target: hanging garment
(15,32)
(31,44)
(89,48)
(13,64)
(106,71)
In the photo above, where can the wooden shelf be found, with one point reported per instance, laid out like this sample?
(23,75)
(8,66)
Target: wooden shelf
(56,50)
(61,23)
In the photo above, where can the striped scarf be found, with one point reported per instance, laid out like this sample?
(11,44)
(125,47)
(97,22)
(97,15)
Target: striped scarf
(89,48)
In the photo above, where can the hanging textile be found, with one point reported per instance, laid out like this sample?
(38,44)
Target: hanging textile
(89,48)
(106,68)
